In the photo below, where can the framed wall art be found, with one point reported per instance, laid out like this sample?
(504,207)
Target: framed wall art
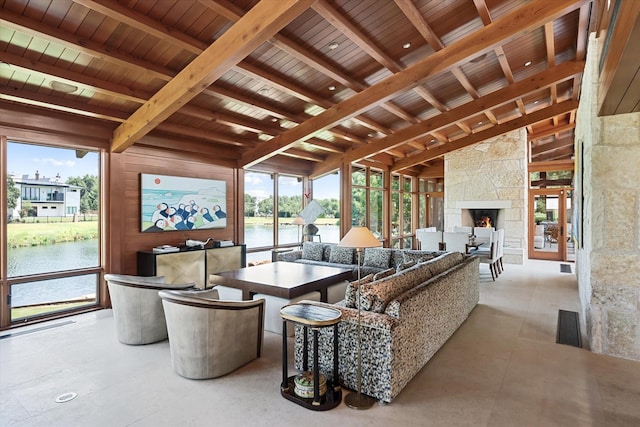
(171,203)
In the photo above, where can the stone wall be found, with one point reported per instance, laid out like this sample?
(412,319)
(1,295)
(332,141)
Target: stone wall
(493,171)
(608,263)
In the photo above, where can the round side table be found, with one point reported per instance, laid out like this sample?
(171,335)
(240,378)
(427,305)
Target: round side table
(314,317)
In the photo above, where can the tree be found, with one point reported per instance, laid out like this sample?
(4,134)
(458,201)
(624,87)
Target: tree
(89,197)
(13,193)
(250,207)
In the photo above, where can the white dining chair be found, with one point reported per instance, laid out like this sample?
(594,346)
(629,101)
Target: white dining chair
(455,242)
(429,240)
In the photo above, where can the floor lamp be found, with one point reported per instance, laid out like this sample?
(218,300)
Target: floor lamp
(359,237)
(298,221)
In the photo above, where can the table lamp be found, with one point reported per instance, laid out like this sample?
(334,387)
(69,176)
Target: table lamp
(359,237)
(298,221)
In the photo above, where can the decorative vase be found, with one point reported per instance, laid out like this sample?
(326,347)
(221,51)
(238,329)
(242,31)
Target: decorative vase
(304,384)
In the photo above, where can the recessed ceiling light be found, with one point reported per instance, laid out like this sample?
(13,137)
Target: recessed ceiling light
(63,87)
(536,101)
(371,135)
(333,45)
(407,45)
(526,64)
(480,123)
(274,119)
(332,87)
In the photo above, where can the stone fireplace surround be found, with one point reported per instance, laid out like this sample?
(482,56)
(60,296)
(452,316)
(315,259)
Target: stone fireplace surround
(491,175)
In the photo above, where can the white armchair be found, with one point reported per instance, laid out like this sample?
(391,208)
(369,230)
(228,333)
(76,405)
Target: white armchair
(137,308)
(209,337)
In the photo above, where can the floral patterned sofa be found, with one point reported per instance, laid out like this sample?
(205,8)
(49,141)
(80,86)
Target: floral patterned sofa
(406,317)
(373,260)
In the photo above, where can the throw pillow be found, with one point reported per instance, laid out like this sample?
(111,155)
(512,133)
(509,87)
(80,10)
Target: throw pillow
(312,251)
(376,295)
(385,273)
(341,255)
(352,290)
(377,257)
(406,265)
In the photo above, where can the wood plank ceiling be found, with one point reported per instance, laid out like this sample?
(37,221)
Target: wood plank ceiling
(394,84)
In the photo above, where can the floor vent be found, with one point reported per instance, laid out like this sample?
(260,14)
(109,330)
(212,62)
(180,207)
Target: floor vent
(568,328)
(41,328)
(565,268)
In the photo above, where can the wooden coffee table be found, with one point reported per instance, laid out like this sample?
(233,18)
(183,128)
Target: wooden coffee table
(282,279)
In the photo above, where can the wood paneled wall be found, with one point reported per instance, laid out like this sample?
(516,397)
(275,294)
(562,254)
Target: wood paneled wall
(124,198)
(121,177)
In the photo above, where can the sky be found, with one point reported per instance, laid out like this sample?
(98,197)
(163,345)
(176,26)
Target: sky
(26,159)
(260,185)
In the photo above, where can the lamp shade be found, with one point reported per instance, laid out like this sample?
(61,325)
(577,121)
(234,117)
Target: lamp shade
(298,221)
(359,237)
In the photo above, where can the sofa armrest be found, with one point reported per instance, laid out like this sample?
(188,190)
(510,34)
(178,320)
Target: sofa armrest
(290,256)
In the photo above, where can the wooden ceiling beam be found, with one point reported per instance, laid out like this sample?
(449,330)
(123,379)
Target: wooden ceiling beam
(552,130)
(258,25)
(508,27)
(432,171)
(492,132)
(96,50)
(534,83)
(145,24)
(543,148)
(562,153)
(555,165)
(415,17)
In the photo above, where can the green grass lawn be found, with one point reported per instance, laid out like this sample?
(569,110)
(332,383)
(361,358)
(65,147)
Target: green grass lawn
(35,234)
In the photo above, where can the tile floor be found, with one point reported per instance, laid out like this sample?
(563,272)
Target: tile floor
(501,368)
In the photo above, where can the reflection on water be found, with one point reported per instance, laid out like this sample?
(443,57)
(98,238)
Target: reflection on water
(50,258)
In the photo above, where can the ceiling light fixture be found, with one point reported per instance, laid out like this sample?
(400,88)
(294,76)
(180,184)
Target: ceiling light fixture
(63,87)
(332,88)
(333,45)
(407,45)
(526,64)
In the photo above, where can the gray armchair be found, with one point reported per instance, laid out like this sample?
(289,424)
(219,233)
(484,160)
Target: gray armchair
(137,308)
(209,337)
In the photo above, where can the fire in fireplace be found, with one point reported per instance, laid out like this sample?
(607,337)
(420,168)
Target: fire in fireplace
(484,217)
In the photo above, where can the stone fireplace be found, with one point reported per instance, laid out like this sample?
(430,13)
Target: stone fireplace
(490,179)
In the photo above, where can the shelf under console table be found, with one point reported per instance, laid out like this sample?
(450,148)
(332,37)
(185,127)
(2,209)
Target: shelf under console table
(193,265)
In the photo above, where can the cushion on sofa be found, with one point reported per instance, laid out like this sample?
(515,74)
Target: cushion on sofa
(312,251)
(418,256)
(376,295)
(445,262)
(341,255)
(406,265)
(350,294)
(377,257)
(384,273)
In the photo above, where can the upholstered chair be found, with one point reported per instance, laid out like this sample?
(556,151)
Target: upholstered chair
(209,337)
(137,308)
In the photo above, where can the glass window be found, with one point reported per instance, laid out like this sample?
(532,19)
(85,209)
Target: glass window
(46,234)
(289,206)
(367,205)
(258,209)
(326,191)
(401,210)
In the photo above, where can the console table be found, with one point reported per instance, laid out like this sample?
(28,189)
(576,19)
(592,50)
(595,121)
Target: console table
(314,317)
(193,265)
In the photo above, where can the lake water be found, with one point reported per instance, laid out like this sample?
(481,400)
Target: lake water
(85,254)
